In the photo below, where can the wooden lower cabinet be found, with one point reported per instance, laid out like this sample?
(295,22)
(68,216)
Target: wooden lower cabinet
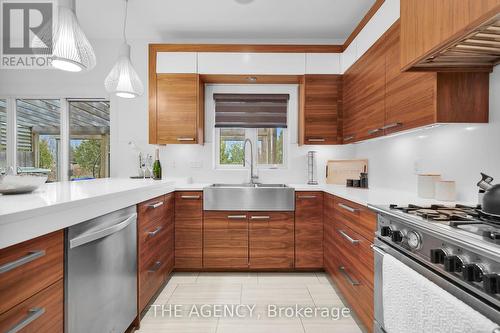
(349,232)
(43,265)
(271,240)
(248,240)
(155,233)
(31,285)
(309,230)
(189,230)
(225,240)
(42,312)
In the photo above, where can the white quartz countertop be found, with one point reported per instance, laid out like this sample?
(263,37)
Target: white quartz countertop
(60,205)
(374,196)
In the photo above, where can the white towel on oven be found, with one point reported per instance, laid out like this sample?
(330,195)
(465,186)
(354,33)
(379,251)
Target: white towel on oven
(414,304)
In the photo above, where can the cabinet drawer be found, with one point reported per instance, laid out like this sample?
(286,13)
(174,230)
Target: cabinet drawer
(357,293)
(152,272)
(356,252)
(188,204)
(29,267)
(151,210)
(357,217)
(41,313)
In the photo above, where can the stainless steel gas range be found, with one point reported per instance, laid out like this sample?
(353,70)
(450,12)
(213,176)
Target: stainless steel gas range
(437,269)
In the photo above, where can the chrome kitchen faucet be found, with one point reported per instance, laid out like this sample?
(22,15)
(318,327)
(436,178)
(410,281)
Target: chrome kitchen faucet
(253,179)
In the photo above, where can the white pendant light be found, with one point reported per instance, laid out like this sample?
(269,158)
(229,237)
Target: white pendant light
(71,50)
(123,80)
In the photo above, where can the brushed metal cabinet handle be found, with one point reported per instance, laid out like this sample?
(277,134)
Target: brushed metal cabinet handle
(348,277)
(316,140)
(33,314)
(21,261)
(349,238)
(306,197)
(348,208)
(156,205)
(190,196)
(154,233)
(237,217)
(375,130)
(260,217)
(392,125)
(155,267)
(349,138)
(185,139)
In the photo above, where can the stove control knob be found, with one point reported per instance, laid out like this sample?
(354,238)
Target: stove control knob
(437,256)
(385,231)
(453,264)
(472,273)
(397,236)
(491,283)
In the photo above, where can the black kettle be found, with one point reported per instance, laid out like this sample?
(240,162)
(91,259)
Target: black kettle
(491,197)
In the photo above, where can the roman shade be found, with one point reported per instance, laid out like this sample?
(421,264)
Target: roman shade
(251,110)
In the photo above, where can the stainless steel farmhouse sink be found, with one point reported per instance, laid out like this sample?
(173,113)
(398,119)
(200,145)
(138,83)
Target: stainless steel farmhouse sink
(249,197)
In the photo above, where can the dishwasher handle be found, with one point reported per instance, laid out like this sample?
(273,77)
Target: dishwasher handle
(87,238)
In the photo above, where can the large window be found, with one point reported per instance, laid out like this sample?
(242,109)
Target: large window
(60,138)
(268,145)
(38,136)
(3,135)
(89,139)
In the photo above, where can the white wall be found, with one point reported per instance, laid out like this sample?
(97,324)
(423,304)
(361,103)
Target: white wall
(457,152)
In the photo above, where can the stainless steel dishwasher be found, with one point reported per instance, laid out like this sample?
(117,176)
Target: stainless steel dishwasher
(101,273)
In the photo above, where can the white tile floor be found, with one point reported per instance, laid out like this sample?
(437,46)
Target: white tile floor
(189,291)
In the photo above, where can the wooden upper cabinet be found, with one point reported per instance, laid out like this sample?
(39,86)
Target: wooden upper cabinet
(379,99)
(176,109)
(441,34)
(371,92)
(364,91)
(410,97)
(321,105)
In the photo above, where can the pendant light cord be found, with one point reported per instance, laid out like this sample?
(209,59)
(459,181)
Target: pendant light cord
(125,21)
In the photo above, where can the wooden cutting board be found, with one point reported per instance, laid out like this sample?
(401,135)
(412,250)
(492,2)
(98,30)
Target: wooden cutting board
(338,171)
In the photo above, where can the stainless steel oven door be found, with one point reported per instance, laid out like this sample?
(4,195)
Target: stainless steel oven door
(380,249)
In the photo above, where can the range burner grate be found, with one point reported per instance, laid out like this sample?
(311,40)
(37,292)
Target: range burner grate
(441,213)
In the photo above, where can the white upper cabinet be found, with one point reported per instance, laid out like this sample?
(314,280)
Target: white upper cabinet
(251,63)
(176,62)
(322,63)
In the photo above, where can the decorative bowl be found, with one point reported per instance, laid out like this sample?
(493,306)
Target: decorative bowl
(14,184)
